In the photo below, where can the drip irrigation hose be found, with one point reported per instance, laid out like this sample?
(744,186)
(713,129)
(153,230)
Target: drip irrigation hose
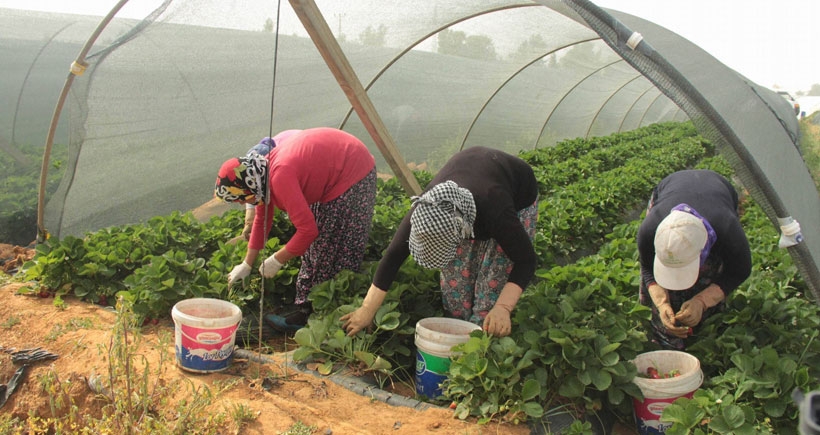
(351,383)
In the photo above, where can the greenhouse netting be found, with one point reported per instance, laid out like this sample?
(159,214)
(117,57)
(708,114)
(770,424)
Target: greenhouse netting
(163,101)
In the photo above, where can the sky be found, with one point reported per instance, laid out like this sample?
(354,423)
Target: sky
(771,42)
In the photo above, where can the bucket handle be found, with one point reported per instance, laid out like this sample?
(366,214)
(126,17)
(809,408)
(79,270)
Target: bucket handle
(197,341)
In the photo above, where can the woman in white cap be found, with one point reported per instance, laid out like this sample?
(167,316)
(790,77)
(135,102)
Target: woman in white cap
(693,252)
(475,223)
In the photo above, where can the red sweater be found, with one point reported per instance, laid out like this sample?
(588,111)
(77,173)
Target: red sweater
(315,165)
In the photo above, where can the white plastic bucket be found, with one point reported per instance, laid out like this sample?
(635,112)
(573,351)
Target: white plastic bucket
(205,332)
(659,393)
(435,337)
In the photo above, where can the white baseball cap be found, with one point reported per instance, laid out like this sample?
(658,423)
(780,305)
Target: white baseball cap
(679,240)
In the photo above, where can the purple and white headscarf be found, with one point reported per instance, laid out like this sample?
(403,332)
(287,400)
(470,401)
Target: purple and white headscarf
(711,236)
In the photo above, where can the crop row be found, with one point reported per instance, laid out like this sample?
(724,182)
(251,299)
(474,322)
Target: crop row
(579,215)
(577,329)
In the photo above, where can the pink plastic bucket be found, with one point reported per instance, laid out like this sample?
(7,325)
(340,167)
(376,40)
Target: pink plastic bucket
(205,333)
(660,393)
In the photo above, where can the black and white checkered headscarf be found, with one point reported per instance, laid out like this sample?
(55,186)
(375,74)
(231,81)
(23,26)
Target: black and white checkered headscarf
(442,218)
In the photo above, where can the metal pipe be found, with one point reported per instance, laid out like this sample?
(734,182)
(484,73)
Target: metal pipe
(77,68)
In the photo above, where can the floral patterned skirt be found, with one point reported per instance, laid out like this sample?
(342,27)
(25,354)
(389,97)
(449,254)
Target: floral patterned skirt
(344,227)
(471,283)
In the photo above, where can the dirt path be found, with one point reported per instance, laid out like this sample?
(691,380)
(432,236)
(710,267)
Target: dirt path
(79,334)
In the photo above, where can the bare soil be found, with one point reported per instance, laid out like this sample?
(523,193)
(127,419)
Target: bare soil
(79,332)
(268,382)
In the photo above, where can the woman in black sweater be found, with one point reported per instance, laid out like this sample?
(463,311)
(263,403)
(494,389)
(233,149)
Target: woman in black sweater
(693,252)
(475,223)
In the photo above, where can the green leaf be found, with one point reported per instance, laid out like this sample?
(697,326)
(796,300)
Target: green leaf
(608,348)
(533,409)
(776,407)
(381,364)
(734,416)
(325,368)
(610,359)
(304,337)
(366,357)
(302,354)
(571,387)
(601,379)
(531,389)
(388,321)
(615,395)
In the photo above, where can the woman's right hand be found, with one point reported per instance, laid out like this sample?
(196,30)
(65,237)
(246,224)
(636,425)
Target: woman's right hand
(357,320)
(363,316)
(238,273)
(661,300)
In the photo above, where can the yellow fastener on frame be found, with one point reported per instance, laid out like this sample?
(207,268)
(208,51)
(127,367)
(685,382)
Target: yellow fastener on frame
(78,68)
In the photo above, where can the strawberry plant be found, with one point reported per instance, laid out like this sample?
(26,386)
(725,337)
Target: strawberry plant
(389,344)
(324,341)
(575,329)
(488,378)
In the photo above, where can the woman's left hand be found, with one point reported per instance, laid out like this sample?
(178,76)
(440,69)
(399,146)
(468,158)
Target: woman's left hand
(690,312)
(497,322)
(270,267)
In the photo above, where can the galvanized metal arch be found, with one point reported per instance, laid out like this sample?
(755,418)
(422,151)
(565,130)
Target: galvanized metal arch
(649,88)
(424,38)
(594,118)
(650,105)
(547,120)
(77,68)
(504,83)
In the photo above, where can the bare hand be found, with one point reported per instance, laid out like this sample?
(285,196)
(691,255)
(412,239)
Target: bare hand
(497,322)
(356,321)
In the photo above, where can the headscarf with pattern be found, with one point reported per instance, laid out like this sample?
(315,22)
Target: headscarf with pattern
(243,178)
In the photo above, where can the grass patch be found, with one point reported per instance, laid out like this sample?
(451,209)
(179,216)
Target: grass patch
(132,394)
(10,322)
(810,148)
(72,325)
(300,428)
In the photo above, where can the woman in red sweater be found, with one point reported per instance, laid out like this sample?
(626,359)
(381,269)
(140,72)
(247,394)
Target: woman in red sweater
(325,179)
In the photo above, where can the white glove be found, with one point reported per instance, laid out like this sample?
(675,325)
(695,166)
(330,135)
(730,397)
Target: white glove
(239,272)
(270,267)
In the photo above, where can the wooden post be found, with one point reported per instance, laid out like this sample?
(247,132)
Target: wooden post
(330,50)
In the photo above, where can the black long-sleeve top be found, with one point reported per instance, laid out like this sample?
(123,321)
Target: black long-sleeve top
(502,185)
(714,198)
